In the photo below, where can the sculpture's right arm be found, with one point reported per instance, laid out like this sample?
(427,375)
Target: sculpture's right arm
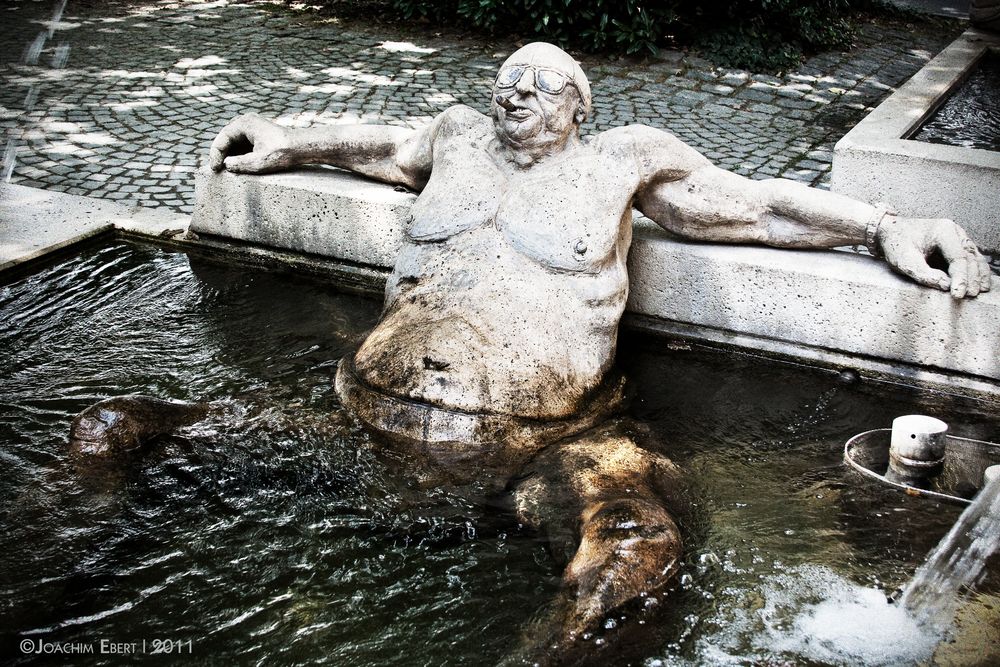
(684,193)
(252,145)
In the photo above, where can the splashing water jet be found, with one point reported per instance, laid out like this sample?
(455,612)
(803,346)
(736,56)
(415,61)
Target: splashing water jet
(932,596)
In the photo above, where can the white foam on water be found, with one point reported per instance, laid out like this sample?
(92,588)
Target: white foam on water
(857,625)
(812,613)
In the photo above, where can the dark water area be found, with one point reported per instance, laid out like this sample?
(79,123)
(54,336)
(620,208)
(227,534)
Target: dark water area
(970,117)
(275,534)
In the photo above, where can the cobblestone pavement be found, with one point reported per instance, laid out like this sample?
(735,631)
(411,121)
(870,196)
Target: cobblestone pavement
(125,97)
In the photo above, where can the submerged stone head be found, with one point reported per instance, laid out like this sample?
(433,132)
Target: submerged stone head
(540,98)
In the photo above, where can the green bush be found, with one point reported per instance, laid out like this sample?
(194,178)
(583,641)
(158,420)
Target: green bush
(755,34)
(769,34)
(627,26)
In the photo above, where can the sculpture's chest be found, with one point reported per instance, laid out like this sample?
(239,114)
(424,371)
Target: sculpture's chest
(566,215)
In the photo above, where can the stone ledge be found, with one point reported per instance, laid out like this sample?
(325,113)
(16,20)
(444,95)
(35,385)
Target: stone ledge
(801,303)
(876,162)
(34,223)
(826,301)
(321,211)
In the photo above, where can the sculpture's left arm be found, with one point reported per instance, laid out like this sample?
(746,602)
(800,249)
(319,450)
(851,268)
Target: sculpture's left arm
(684,193)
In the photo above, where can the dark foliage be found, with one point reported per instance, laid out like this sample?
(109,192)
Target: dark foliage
(770,34)
(755,34)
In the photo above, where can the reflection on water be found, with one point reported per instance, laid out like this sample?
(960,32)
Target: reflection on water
(970,117)
(284,535)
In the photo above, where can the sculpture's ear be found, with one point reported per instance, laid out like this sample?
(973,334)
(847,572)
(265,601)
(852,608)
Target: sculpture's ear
(581,114)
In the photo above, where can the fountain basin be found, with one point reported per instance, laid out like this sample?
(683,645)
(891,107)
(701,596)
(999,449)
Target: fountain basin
(878,162)
(283,536)
(971,115)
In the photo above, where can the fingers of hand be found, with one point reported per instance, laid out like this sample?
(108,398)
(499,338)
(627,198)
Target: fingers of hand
(242,130)
(950,238)
(962,280)
(985,274)
(980,275)
(230,134)
(244,164)
(911,262)
(969,271)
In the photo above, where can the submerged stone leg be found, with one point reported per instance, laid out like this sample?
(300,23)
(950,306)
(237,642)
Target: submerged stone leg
(115,426)
(602,502)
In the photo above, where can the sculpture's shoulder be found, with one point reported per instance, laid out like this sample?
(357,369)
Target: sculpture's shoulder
(635,138)
(462,120)
(614,142)
(658,154)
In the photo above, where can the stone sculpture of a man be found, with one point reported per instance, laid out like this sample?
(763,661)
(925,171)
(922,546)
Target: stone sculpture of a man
(493,358)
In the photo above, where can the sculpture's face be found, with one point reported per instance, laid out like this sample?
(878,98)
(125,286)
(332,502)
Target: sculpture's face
(544,105)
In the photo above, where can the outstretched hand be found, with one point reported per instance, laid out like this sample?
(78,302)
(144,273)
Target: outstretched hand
(251,145)
(908,242)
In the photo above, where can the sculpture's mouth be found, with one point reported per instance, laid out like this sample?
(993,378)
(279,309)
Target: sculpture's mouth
(513,111)
(519,113)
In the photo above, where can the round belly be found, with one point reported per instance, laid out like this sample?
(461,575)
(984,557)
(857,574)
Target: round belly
(509,337)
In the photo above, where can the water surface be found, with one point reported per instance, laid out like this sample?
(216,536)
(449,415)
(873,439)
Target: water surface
(277,535)
(970,117)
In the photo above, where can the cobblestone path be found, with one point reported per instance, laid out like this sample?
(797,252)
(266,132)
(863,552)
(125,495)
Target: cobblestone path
(124,98)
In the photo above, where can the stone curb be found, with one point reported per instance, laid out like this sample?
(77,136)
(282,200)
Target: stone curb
(35,223)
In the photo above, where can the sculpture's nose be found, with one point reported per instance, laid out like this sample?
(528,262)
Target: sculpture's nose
(526,84)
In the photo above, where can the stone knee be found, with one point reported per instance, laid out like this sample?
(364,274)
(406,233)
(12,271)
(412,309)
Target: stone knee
(628,547)
(119,425)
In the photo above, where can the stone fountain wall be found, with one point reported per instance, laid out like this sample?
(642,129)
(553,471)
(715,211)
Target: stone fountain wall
(876,162)
(837,308)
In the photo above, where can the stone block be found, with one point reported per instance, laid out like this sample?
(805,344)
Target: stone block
(320,211)
(823,301)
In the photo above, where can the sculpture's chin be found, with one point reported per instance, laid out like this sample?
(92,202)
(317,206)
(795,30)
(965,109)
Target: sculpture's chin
(519,133)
